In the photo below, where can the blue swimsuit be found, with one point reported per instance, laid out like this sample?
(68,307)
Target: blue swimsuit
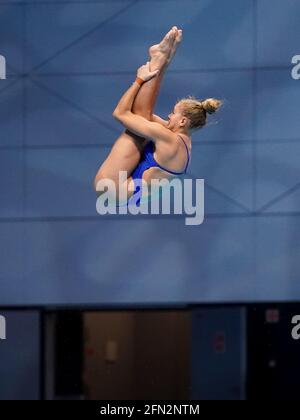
(147,161)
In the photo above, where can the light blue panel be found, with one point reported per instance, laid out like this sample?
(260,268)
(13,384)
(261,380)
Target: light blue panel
(214,36)
(12,36)
(278,262)
(11,112)
(277,172)
(55,27)
(11,263)
(287,202)
(219,203)
(20,356)
(60,182)
(74,110)
(278,31)
(277,106)
(227,169)
(128,261)
(235,120)
(11,183)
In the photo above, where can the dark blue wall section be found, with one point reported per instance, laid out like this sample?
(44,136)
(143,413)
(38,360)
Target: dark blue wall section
(77,58)
(20,356)
(218,354)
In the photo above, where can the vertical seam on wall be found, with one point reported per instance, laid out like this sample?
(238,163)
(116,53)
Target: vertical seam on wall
(24,164)
(254,131)
(255,138)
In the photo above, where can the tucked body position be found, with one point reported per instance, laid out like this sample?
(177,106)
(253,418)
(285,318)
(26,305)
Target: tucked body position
(151,148)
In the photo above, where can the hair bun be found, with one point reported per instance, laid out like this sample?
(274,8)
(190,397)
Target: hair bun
(211,105)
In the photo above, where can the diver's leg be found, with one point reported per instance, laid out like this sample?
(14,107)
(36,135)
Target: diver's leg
(161,56)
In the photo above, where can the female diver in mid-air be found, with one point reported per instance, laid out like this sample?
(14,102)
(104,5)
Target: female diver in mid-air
(168,152)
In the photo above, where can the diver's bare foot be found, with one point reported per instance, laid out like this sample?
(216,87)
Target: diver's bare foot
(160,53)
(178,40)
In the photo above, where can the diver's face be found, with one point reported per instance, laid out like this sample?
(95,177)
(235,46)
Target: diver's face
(175,118)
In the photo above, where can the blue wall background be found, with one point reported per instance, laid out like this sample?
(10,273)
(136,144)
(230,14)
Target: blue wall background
(67,65)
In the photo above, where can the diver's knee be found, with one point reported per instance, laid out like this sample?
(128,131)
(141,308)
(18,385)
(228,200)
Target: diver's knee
(144,112)
(99,177)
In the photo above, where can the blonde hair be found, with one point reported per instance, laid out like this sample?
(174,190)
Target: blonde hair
(196,110)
